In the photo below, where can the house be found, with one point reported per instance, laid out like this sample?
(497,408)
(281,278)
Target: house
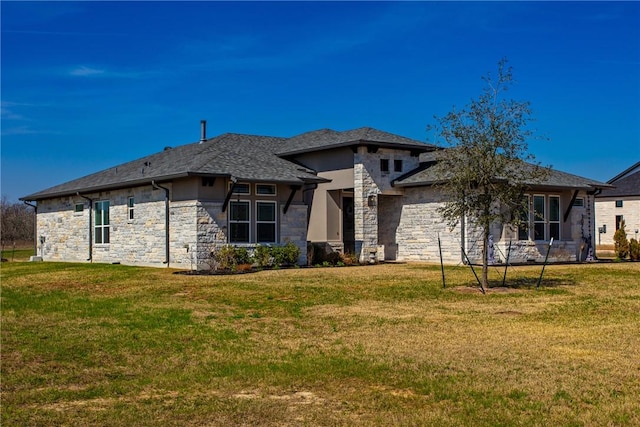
(362,191)
(618,203)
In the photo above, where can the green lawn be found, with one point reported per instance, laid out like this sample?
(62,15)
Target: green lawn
(383,345)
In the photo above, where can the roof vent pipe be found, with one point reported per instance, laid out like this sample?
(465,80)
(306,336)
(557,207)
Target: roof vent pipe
(203,131)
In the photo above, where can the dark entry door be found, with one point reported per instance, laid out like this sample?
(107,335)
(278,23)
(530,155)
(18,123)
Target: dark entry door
(348,225)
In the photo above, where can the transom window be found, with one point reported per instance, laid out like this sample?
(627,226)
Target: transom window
(265,222)
(79,207)
(101,227)
(266,189)
(241,188)
(239,222)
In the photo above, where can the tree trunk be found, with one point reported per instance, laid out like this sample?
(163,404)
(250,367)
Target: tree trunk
(485,264)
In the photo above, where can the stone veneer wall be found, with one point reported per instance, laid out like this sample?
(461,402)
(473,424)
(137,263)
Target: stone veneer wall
(369,182)
(293,228)
(420,224)
(140,241)
(212,231)
(606,212)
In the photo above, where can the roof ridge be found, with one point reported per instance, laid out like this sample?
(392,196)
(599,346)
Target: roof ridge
(622,174)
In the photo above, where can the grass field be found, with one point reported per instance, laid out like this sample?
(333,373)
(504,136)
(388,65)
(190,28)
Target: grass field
(379,345)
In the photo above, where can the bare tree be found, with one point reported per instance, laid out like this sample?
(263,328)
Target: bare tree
(486,166)
(17,221)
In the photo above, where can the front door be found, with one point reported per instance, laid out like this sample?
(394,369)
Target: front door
(348,225)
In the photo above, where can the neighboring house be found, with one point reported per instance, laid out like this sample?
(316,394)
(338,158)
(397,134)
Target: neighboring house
(361,191)
(622,202)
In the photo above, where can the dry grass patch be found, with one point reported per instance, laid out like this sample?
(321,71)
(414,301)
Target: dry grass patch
(376,345)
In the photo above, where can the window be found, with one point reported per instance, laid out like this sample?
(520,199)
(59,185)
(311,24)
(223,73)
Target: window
(241,188)
(130,204)
(102,222)
(546,219)
(539,219)
(619,219)
(208,181)
(79,207)
(579,202)
(523,229)
(265,222)
(618,203)
(384,165)
(397,165)
(239,222)
(266,189)
(554,217)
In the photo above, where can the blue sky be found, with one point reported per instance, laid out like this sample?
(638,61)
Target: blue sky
(89,85)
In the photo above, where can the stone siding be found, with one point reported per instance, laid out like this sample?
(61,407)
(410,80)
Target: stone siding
(419,228)
(606,213)
(369,182)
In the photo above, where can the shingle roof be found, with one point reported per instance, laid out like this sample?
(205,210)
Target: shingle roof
(426,174)
(247,157)
(626,184)
(325,139)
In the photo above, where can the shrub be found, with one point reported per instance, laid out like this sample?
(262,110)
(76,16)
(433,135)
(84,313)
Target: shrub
(290,254)
(620,241)
(242,256)
(634,250)
(262,255)
(349,259)
(228,257)
(334,258)
(316,254)
(276,256)
(224,257)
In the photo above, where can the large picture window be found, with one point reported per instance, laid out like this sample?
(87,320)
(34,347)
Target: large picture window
(101,228)
(554,217)
(545,216)
(523,229)
(539,218)
(265,222)
(239,222)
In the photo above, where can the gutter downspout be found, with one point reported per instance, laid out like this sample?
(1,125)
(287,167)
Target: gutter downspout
(35,227)
(166,219)
(90,226)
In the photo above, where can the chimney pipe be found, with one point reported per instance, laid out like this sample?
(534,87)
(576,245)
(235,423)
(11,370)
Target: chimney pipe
(203,131)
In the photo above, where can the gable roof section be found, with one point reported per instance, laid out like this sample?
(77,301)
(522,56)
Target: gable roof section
(246,157)
(426,175)
(626,183)
(325,139)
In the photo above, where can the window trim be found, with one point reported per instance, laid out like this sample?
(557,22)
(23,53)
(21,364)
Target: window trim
(540,217)
(534,218)
(384,165)
(526,218)
(232,221)
(549,216)
(240,193)
(130,208)
(99,229)
(258,193)
(274,222)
